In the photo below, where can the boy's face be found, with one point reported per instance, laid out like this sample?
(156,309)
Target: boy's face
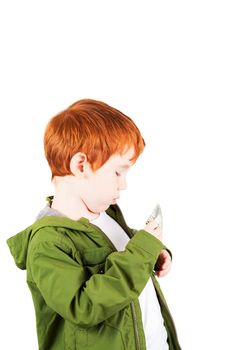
(102,187)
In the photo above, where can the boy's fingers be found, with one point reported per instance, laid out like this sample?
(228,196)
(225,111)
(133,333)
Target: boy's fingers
(165,259)
(163,273)
(164,266)
(154,228)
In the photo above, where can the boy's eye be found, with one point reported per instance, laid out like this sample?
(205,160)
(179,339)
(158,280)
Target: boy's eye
(118,174)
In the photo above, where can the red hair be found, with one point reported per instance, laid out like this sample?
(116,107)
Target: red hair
(91,127)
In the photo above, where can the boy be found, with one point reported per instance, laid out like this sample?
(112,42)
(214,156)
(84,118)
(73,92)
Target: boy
(91,276)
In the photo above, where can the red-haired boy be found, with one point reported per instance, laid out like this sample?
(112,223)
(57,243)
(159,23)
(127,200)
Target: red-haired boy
(91,276)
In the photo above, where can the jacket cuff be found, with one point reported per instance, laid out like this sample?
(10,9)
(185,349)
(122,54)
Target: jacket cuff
(147,242)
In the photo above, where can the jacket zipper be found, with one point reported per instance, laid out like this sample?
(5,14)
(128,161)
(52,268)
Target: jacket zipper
(135,326)
(166,311)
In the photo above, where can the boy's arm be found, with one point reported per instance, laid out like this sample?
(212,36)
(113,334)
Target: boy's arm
(163,263)
(64,284)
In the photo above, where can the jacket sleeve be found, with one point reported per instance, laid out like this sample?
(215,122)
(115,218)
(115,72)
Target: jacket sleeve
(63,282)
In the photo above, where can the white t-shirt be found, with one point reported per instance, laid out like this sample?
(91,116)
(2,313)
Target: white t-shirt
(154,329)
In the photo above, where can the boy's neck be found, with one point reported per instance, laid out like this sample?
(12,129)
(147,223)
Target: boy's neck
(72,209)
(69,204)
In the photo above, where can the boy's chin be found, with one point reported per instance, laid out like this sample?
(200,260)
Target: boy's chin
(100,208)
(104,207)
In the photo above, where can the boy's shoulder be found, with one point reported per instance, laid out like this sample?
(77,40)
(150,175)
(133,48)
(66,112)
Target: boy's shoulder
(71,235)
(62,232)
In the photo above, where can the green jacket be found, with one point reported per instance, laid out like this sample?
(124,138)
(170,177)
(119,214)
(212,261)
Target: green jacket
(85,292)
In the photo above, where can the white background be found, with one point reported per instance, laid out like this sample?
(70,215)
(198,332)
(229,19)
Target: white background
(168,65)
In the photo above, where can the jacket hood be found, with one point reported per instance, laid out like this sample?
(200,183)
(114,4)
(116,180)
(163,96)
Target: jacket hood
(19,243)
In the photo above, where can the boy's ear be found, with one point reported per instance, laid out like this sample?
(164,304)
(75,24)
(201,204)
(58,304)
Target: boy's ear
(78,164)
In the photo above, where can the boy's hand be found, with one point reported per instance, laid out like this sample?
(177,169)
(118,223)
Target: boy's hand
(153,228)
(163,264)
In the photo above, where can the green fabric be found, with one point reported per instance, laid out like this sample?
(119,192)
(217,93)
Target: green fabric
(85,293)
